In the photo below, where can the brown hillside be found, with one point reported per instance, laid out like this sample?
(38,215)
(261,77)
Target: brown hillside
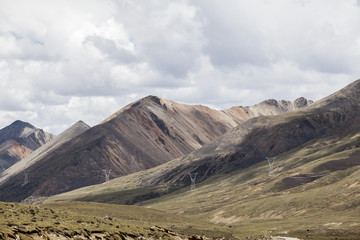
(250,142)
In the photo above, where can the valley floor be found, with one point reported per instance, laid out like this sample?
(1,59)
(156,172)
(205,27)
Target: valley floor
(78,220)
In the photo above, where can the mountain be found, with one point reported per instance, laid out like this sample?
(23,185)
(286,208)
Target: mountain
(250,143)
(142,135)
(311,192)
(42,151)
(18,140)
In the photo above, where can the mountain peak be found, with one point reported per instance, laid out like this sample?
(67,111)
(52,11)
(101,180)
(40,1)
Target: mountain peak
(21,124)
(151,100)
(17,129)
(81,123)
(155,99)
(302,102)
(74,129)
(18,140)
(141,102)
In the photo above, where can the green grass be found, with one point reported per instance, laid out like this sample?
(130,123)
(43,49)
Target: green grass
(249,201)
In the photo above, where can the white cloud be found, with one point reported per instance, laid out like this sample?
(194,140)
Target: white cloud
(167,35)
(233,32)
(62,61)
(312,34)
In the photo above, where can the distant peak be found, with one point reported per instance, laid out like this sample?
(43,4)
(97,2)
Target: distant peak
(154,99)
(80,123)
(77,127)
(19,123)
(302,102)
(18,130)
(151,97)
(272,102)
(138,104)
(148,100)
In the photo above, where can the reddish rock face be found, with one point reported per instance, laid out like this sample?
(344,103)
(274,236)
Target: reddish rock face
(142,135)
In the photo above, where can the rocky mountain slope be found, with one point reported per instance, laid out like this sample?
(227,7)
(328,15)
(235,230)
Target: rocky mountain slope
(257,138)
(142,135)
(42,151)
(18,140)
(254,140)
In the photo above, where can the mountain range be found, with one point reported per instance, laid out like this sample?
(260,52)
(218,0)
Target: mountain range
(142,135)
(252,141)
(268,136)
(275,168)
(311,190)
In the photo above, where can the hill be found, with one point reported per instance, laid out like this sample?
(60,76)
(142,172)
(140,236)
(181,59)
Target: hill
(18,140)
(142,135)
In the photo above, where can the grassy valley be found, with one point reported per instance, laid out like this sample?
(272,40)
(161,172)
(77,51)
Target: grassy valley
(313,193)
(251,201)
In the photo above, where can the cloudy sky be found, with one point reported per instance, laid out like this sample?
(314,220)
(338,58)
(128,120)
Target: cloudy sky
(62,61)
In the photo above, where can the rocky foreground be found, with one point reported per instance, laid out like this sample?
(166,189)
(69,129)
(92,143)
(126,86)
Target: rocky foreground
(19,221)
